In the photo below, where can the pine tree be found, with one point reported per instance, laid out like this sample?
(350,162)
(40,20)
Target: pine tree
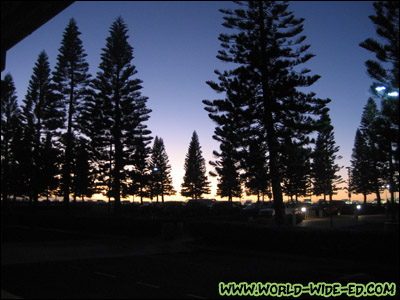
(161,171)
(385,72)
(10,124)
(96,126)
(116,113)
(43,115)
(195,181)
(368,128)
(269,55)
(232,119)
(361,179)
(71,78)
(227,169)
(324,168)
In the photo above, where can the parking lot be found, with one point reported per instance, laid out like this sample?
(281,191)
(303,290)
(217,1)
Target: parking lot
(77,266)
(48,255)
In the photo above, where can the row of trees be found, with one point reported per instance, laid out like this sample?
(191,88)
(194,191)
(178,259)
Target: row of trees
(79,135)
(375,159)
(266,125)
(83,135)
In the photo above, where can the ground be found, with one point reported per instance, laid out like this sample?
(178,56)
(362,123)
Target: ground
(39,262)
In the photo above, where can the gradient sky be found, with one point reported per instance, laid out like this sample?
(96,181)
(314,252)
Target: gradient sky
(175,47)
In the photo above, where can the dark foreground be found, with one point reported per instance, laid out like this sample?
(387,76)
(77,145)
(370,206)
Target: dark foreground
(53,262)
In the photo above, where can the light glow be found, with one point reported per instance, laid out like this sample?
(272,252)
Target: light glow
(380,88)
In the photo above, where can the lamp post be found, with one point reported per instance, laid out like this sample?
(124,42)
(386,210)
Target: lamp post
(387,95)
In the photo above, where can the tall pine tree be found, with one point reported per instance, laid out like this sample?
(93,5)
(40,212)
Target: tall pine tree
(72,78)
(385,72)
(115,114)
(361,172)
(43,115)
(369,131)
(195,181)
(269,51)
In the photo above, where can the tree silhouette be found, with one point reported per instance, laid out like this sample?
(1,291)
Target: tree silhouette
(116,113)
(43,115)
(71,78)
(195,181)
(231,118)
(10,122)
(385,72)
(324,168)
(267,53)
(369,132)
(361,171)
(161,181)
(227,170)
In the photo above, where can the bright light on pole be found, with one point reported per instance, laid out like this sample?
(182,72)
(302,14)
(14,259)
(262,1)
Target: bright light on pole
(380,88)
(393,94)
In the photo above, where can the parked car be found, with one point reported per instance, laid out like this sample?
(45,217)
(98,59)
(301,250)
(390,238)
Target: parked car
(289,209)
(253,209)
(224,208)
(333,207)
(196,207)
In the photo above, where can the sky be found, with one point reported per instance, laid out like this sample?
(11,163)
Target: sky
(175,47)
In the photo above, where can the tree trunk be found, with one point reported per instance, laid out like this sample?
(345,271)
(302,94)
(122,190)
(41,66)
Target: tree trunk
(268,103)
(378,195)
(391,186)
(118,149)
(68,149)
